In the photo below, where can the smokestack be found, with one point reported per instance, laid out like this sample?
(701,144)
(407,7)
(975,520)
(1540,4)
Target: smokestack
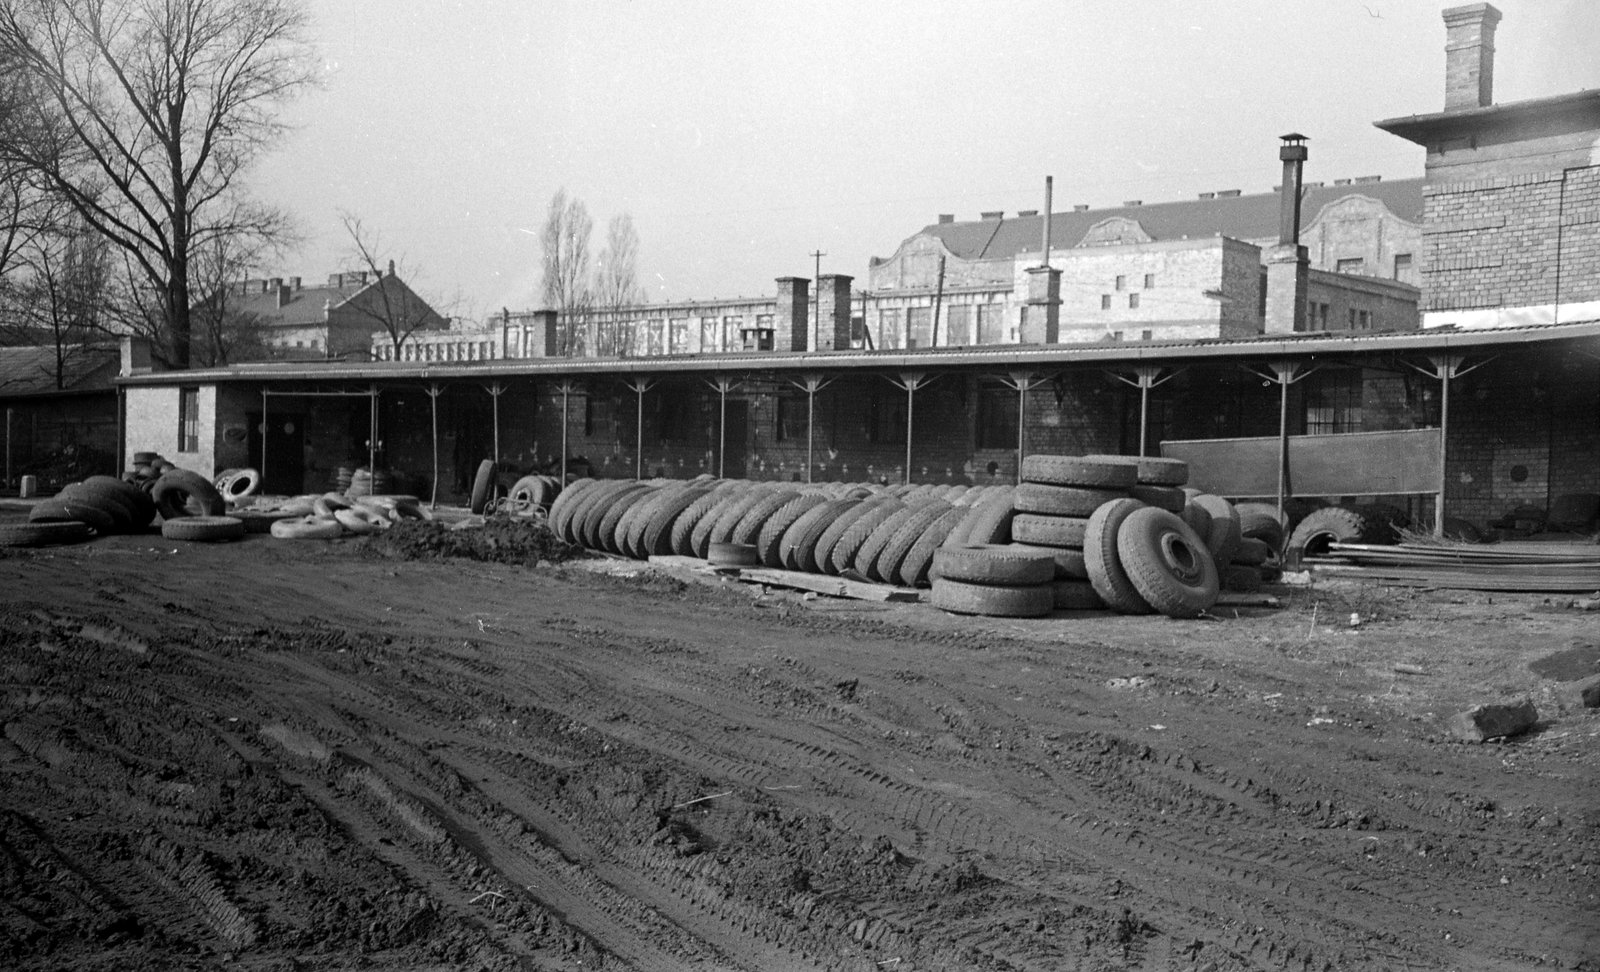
(1049,192)
(1469,56)
(1293,153)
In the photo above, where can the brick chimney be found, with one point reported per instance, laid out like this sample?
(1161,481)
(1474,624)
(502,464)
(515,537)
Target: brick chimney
(1288,263)
(1469,56)
(792,321)
(833,311)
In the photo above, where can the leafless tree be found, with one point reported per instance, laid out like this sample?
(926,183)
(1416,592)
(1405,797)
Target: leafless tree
(223,331)
(393,307)
(55,294)
(565,264)
(147,113)
(617,274)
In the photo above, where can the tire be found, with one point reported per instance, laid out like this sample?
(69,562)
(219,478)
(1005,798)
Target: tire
(561,509)
(1261,521)
(308,528)
(720,554)
(106,495)
(1050,531)
(866,559)
(1223,540)
(1241,578)
(887,566)
(1252,552)
(58,509)
(203,529)
(769,543)
(1154,470)
(732,512)
(1168,563)
(1077,595)
(1061,500)
(175,491)
(1104,563)
(628,532)
(1087,471)
(329,503)
(684,526)
(44,534)
(849,543)
(992,518)
(657,539)
(141,508)
(798,548)
(1384,522)
(748,529)
(532,491)
(605,531)
(144,458)
(243,482)
(587,530)
(1198,518)
(362,520)
(994,565)
(572,530)
(1070,563)
(834,533)
(914,570)
(1331,524)
(1169,498)
(482,486)
(996,602)
(261,521)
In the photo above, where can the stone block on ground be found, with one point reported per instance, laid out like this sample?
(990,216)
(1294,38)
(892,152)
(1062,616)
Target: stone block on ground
(1484,722)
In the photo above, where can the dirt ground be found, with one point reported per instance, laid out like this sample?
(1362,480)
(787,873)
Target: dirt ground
(307,755)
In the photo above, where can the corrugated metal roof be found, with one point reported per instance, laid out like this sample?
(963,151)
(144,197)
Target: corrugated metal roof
(1241,217)
(1000,357)
(31,371)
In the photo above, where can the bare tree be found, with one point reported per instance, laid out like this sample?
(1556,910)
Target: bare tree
(223,331)
(617,274)
(55,294)
(392,306)
(148,112)
(565,265)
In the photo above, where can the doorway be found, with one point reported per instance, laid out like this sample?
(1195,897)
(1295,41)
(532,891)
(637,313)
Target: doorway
(285,470)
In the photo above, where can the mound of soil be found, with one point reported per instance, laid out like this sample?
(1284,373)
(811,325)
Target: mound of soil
(504,540)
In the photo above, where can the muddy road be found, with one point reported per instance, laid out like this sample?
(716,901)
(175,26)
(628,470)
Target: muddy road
(280,755)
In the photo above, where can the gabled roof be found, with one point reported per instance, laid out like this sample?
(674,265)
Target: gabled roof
(302,308)
(1240,217)
(31,371)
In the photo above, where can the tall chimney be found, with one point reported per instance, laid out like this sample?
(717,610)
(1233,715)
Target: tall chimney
(1288,266)
(793,315)
(1469,56)
(1044,247)
(833,310)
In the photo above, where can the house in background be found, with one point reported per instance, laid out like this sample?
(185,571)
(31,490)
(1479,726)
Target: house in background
(355,312)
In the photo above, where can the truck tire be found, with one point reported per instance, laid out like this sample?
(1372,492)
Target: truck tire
(997,602)
(1062,500)
(1083,471)
(1154,470)
(918,563)
(1050,531)
(995,565)
(1104,564)
(1168,563)
(203,529)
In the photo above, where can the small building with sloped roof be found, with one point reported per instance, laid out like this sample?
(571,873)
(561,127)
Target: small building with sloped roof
(342,319)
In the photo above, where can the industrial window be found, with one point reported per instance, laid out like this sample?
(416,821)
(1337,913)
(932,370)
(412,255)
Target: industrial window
(1360,320)
(919,327)
(1333,402)
(791,425)
(730,327)
(1402,264)
(188,420)
(710,340)
(886,417)
(1149,280)
(1146,335)
(599,416)
(990,321)
(678,336)
(1351,265)
(1105,301)
(958,324)
(1133,301)
(889,328)
(997,416)
(756,338)
(656,337)
(858,331)
(1122,281)
(1316,316)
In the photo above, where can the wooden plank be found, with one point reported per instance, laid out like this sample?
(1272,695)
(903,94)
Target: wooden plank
(1239,599)
(832,586)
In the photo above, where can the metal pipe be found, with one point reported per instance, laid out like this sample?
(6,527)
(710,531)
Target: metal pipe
(8,446)
(911,396)
(372,435)
(638,433)
(1445,371)
(1049,192)
(722,432)
(1022,424)
(433,406)
(496,396)
(264,428)
(811,425)
(1283,440)
(566,389)
(1144,416)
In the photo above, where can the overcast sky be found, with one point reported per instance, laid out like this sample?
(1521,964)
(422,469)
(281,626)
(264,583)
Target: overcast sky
(743,135)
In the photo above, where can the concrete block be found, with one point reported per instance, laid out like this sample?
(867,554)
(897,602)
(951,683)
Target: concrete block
(1484,722)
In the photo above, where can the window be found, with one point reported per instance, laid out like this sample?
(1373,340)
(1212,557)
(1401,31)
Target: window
(188,420)
(756,339)
(710,340)
(886,417)
(791,425)
(1316,316)
(1360,320)
(858,331)
(919,327)
(678,336)
(655,337)
(1105,301)
(1333,402)
(990,320)
(1149,280)
(599,416)
(1402,266)
(889,329)
(1122,281)
(1146,335)
(958,324)
(1133,301)
(997,416)
(1351,265)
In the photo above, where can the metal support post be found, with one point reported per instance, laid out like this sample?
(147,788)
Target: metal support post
(640,386)
(1023,382)
(1145,377)
(434,391)
(722,384)
(810,384)
(910,381)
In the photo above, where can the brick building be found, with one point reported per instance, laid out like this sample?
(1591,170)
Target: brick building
(1511,205)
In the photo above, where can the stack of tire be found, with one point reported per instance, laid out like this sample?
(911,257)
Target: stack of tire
(144,468)
(1057,498)
(532,495)
(98,506)
(333,515)
(995,580)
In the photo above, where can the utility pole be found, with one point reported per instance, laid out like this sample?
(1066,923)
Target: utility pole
(816,295)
